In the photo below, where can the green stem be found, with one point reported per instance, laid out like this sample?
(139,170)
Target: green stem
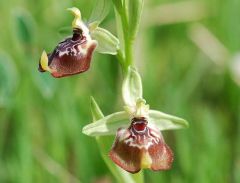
(125,58)
(121,60)
(127,42)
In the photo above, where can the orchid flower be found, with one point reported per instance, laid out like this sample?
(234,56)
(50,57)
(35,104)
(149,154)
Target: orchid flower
(139,142)
(74,54)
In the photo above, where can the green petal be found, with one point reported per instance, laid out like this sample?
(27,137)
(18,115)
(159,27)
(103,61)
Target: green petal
(166,122)
(107,125)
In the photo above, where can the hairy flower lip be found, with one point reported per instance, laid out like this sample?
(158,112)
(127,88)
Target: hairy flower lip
(74,54)
(71,56)
(133,150)
(51,55)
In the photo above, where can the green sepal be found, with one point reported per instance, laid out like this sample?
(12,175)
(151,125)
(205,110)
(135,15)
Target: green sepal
(132,87)
(107,42)
(107,125)
(166,122)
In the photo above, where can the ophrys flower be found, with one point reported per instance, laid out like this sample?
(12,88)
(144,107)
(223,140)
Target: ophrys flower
(138,142)
(74,54)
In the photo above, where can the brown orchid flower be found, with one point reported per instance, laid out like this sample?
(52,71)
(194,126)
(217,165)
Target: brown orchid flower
(73,55)
(139,143)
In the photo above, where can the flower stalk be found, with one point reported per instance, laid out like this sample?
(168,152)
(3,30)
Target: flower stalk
(125,59)
(138,143)
(129,13)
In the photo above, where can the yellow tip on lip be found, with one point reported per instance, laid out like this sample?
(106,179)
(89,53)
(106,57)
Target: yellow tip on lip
(146,160)
(76,12)
(44,61)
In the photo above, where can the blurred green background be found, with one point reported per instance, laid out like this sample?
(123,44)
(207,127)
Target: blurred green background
(187,54)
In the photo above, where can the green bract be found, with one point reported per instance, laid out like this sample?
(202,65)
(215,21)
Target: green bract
(96,111)
(134,11)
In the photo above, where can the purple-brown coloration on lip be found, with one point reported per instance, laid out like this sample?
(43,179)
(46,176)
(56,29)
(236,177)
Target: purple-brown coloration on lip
(71,56)
(139,147)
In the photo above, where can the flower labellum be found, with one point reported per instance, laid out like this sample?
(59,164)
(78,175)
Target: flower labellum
(73,55)
(141,146)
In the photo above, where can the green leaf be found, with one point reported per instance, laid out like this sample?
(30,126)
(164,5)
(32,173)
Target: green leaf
(107,42)
(134,12)
(132,87)
(107,125)
(166,122)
